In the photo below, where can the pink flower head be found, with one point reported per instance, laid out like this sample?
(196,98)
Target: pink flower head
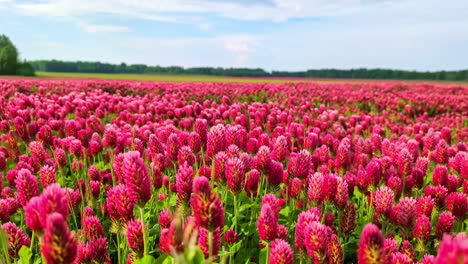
(439,177)
(422,228)
(453,249)
(60,157)
(267,224)
(302,162)
(95,187)
(184,180)
(383,200)
(457,204)
(165,218)
(186,155)
(444,224)
(424,206)
(316,184)
(230,237)
(16,239)
(438,193)
(281,252)
(295,187)
(422,163)
(119,205)
(219,166)
(343,155)
(400,258)
(137,178)
(370,245)
(94,174)
(194,142)
(280,149)
(58,245)
(374,172)
(8,207)
(263,158)
(334,251)
(135,237)
(253,180)
(201,128)
(402,214)
(92,228)
(348,220)
(172,147)
(53,200)
(215,140)
(404,162)
(27,186)
(275,203)
(37,152)
(275,173)
(203,242)
(303,220)
(157,177)
(235,174)
(208,210)
(316,237)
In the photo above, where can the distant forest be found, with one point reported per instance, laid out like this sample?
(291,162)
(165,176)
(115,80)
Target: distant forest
(362,73)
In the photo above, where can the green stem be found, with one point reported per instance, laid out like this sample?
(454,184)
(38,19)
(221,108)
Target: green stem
(210,246)
(142,215)
(33,237)
(236,212)
(267,258)
(119,258)
(230,255)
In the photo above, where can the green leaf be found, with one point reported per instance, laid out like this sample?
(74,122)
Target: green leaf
(285,211)
(25,255)
(148,259)
(263,255)
(163,259)
(199,257)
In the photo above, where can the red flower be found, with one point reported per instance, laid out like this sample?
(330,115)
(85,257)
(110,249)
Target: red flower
(444,224)
(457,204)
(137,178)
(235,174)
(267,224)
(58,245)
(370,245)
(383,200)
(334,251)
(135,237)
(27,186)
(316,238)
(281,252)
(422,228)
(16,239)
(230,237)
(93,228)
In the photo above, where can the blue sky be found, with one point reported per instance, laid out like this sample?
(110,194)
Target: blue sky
(271,34)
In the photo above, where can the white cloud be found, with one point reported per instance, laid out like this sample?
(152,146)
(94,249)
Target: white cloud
(102,28)
(269,10)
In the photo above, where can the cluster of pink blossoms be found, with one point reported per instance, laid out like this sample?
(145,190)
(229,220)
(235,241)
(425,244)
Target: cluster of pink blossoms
(118,172)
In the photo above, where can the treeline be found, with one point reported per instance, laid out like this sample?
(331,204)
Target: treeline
(362,73)
(9,60)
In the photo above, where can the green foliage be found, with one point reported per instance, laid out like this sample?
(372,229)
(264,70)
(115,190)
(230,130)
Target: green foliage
(9,64)
(25,69)
(8,58)
(362,73)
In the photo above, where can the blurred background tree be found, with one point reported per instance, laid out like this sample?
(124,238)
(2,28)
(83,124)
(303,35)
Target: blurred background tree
(9,60)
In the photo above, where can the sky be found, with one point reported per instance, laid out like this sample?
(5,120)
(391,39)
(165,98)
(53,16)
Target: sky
(292,35)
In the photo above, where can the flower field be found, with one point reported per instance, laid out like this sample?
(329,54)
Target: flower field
(97,171)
